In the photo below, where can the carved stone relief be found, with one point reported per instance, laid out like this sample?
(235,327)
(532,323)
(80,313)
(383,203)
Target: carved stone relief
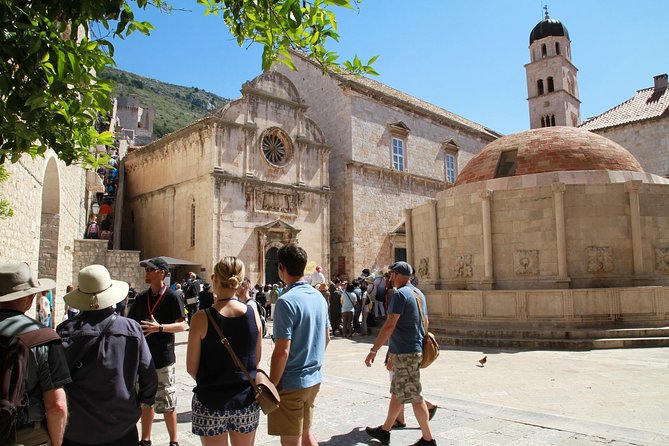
(600,259)
(526,262)
(424,268)
(463,266)
(662,260)
(268,200)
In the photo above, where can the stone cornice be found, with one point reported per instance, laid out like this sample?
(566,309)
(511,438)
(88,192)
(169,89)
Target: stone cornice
(252,91)
(311,143)
(197,125)
(397,102)
(439,184)
(222,175)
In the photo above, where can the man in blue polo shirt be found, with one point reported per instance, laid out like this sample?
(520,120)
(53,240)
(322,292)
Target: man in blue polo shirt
(301,333)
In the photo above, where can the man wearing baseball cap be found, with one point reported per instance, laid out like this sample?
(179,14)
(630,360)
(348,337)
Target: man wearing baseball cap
(405,351)
(47,372)
(161,314)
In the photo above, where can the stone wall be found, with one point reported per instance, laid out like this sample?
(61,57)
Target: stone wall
(647,140)
(611,234)
(369,198)
(46,196)
(122,265)
(620,307)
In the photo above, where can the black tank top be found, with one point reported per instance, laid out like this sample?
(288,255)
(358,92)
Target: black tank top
(220,384)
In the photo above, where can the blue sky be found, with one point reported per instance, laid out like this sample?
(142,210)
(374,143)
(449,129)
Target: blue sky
(465,56)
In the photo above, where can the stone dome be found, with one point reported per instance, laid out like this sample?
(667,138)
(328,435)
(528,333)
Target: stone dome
(549,149)
(548,27)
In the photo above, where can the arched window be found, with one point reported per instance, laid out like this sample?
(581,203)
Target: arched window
(543,50)
(557,48)
(540,87)
(192,224)
(543,121)
(552,120)
(550,84)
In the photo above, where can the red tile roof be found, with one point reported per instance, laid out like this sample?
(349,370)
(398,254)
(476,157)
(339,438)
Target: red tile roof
(646,104)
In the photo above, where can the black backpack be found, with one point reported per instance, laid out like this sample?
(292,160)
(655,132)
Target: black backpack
(262,313)
(14,354)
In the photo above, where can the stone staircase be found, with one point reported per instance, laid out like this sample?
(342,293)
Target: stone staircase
(575,338)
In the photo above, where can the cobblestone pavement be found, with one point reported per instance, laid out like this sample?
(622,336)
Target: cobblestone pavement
(598,397)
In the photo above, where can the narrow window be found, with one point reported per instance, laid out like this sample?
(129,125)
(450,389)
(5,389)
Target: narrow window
(450,168)
(553,120)
(543,121)
(557,48)
(543,50)
(192,225)
(550,84)
(398,154)
(506,166)
(540,87)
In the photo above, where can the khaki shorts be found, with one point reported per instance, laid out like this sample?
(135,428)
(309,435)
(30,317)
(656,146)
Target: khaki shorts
(295,412)
(405,384)
(33,435)
(166,394)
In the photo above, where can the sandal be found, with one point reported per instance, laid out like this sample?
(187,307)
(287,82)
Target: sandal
(398,425)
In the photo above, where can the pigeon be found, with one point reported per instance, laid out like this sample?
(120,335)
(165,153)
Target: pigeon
(483,361)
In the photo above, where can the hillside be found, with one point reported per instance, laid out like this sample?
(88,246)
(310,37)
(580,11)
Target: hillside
(176,106)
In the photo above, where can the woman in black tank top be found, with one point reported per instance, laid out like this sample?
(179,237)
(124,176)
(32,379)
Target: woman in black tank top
(224,404)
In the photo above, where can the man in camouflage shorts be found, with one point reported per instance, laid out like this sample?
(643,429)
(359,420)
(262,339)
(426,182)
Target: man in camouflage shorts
(405,351)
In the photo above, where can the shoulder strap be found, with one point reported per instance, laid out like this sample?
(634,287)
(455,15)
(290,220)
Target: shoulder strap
(39,337)
(227,345)
(419,302)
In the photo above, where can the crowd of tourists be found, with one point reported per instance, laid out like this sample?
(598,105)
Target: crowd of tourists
(112,366)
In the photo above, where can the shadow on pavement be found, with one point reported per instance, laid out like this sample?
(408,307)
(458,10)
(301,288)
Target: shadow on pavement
(184,417)
(356,436)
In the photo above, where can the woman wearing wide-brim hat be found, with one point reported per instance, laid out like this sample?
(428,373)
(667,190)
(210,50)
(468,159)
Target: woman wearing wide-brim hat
(107,355)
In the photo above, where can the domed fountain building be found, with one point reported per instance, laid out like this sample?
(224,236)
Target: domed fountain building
(555,235)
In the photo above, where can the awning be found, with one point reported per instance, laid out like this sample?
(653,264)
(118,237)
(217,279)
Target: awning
(171,261)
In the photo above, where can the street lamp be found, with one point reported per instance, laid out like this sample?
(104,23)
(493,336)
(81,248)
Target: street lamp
(95,208)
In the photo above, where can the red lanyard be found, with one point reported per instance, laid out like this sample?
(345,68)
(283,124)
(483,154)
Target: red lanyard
(148,301)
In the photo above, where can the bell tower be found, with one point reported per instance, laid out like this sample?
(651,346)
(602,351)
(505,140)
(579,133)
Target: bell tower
(552,88)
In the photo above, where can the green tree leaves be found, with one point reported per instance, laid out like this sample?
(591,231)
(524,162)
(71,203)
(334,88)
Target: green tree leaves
(51,96)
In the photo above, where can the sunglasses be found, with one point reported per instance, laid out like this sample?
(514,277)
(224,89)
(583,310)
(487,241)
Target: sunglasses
(148,269)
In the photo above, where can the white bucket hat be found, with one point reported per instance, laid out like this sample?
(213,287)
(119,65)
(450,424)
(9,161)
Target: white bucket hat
(96,290)
(17,281)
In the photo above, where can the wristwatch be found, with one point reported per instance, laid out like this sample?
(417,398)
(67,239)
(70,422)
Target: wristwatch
(160,328)
(371,350)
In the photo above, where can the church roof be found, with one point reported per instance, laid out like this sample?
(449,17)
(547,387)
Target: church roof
(548,27)
(549,149)
(646,104)
(375,88)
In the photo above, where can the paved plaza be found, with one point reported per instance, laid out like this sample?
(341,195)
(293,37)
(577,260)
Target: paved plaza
(599,397)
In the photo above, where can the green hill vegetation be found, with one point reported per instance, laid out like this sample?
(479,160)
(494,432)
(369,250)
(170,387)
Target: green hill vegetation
(176,106)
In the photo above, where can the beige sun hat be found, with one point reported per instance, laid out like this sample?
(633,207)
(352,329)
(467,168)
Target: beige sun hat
(17,281)
(96,290)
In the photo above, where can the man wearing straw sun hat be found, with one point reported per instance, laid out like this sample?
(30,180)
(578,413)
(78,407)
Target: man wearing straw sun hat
(107,355)
(44,420)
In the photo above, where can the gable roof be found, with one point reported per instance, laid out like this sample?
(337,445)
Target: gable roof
(646,104)
(376,89)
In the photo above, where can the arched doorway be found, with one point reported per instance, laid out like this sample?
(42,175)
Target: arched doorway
(271,267)
(50,227)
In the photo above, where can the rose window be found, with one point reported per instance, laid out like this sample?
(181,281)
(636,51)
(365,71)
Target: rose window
(276,147)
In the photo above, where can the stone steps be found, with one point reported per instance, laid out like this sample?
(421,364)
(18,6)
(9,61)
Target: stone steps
(553,339)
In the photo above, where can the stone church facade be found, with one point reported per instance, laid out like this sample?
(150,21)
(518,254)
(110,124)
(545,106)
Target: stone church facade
(390,152)
(242,181)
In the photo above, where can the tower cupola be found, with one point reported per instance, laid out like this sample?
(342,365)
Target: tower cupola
(552,89)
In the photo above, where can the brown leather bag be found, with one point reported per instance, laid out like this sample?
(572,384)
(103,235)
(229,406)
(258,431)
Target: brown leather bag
(266,394)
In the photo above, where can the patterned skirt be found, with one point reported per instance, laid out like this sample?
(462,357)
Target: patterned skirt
(208,422)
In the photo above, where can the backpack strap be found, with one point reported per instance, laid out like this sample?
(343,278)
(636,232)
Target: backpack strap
(39,337)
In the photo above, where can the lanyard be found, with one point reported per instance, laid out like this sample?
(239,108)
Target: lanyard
(293,286)
(148,300)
